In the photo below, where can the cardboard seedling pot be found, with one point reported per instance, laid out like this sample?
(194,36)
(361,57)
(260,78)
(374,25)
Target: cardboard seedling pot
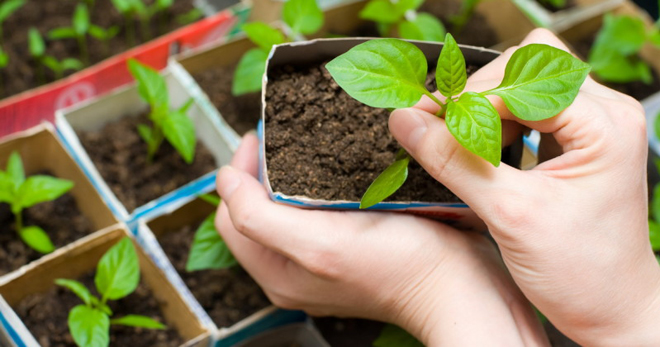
(301,53)
(82,257)
(40,151)
(149,234)
(562,19)
(126,102)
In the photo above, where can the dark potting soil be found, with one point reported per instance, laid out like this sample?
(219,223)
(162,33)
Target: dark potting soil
(339,332)
(21,73)
(60,218)
(120,155)
(476,32)
(243,112)
(227,295)
(322,143)
(548,6)
(46,314)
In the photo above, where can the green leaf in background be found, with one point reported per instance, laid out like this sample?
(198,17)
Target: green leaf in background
(122,6)
(89,327)
(654,235)
(451,74)
(4,59)
(62,33)
(209,250)
(15,170)
(189,17)
(71,64)
(388,182)
(164,4)
(36,43)
(9,7)
(103,34)
(118,271)
(403,6)
(40,188)
(81,20)
(302,16)
(393,336)
(151,85)
(211,199)
(135,320)
(381,11)
(424,27)
(249,72)
(623,34)
(77,288)
(263,35)
(179,130)
(614,67)
(7,191)
(384,73)
(540,81)
(476,125)
(37,239)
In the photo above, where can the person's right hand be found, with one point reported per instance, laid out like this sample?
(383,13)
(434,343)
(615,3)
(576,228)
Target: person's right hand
(573,231)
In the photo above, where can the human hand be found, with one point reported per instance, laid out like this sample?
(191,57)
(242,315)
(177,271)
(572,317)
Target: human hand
(573,231)
(444,286)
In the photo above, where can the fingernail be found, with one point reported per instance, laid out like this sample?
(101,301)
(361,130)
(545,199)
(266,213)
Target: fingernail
(408,127)
(228,180)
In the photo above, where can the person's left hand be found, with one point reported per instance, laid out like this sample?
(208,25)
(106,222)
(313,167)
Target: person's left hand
(442,285)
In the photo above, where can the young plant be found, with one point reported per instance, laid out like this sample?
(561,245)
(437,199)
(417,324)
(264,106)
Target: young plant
(80,27)
(37,48)
(117,276)
(21,193)
(6,10)
(403,16)
(59,67)
(129,9)
(393,336)
(539,82)
(302,16)
(209,250)
(614,56)
(171,125)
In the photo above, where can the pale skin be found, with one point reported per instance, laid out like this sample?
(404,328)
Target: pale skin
(572,233)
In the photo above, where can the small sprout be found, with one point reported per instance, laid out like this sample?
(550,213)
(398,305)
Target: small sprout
(37,48)
(103,35)
(393,336)
(80,26)
(59,67)
(130,9)
(173,125)
(209,250)
(403,16)
(21,193)
(539,82)
(117,276)
(6,10)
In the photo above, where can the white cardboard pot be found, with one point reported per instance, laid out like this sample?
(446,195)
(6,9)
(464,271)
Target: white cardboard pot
(563,19)
(324,49)
(126,102)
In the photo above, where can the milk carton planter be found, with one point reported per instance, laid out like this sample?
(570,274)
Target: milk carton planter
(74,215)
(227,301)
(124,106)
(575,12)
(35,291)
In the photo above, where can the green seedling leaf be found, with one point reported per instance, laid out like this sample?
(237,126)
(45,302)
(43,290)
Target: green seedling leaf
(388,182)
(540,81)
(393,336)
(37,239)
(654,235)
(164,4)
(450,74)
(7,190)
(614,67)
(302,16)
(4,59)
(118,271)
(102,34)
(77,288)
(101,306)
(89,327)
(9,7)
(146,133)
(81,20)
(623,34)
(384,73)
(263,35)
(476,125)
(211,199)
(134,320)
(15,170)
(62,33)
(151,85)
(40,188)
(404,6)
(381,11)
(209,250)
(424,27)
(36,43)
(122,6)
(72,64)
(179,131)
(249,72)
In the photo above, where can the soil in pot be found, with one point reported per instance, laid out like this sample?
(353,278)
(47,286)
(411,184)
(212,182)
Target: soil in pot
(227,295)
(340,332)
(21,73)
(243,112)
(46,314)
(61,219)
(120,155)
(322,143)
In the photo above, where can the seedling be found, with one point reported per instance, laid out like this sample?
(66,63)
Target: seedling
(393,336)
(21,193)
(403,16)
(38,52)
(172,125)
(117,276)
(209,250)
(80,27)
(59,67)
(539,82)
(6,10)
(302,17)
(615,53)
(103,35)
(130,9)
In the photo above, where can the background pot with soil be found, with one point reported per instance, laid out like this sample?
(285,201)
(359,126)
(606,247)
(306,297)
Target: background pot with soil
(39,308)
(320,148)
(226,300)
(545,14)
(103,137)
(72,216)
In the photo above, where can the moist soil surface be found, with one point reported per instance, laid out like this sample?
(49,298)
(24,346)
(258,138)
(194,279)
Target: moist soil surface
(339,332)
(120,155)
(45,315)
(227,295)
(61,220)
(322,143)
(21,73)
(242,112)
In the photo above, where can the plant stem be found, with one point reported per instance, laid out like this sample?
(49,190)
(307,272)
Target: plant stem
(427,93)
(41,75)
(82,45)
(157,139)
(130,30)
(146,30)
(19,221)
(162,21)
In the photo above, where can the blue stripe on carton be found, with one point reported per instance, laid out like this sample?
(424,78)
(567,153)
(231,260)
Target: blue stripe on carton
(11,333)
